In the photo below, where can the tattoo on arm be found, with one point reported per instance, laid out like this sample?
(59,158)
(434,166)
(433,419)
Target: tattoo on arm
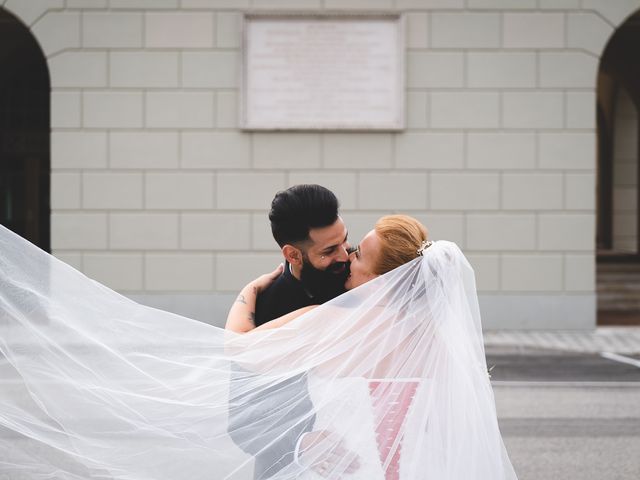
(241,299)
(252,317)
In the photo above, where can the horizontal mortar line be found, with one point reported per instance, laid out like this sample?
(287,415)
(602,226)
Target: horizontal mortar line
(142,48)
(439,130)
(321,11)
(311,170)
(476,89)
(435,172)
(558,212)
(487,89)
(570,427)
(430,89)
(263,250)
(531,130)
(156,89)
(564,89)
(370,210)
(501,49)
(141,9)
(326,171)
(90,88)
(186,252)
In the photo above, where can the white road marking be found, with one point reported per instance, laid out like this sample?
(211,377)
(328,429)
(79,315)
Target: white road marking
(620,358)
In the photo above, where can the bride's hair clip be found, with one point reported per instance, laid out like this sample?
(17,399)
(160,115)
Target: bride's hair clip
(423,246)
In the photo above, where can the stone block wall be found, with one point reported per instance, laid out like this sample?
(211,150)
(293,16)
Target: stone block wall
(157,192)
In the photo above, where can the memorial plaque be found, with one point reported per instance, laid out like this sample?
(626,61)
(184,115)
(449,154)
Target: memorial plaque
(323,72)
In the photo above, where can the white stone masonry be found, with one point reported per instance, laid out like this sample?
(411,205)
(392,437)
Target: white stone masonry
(156,190)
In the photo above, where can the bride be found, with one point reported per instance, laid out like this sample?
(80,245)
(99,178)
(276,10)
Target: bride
(97,386)
(391,385)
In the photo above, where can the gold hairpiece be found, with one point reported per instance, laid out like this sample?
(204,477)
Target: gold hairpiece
(423,246)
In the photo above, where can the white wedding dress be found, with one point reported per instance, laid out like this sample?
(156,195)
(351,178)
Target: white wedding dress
(371,422)
(96,386)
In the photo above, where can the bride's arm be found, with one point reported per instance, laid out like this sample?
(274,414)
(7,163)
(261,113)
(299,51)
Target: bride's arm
(241,317)
(280,321)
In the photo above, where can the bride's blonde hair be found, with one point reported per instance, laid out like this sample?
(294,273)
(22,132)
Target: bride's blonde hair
(400,238)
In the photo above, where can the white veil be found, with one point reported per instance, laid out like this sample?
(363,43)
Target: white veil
(97,386)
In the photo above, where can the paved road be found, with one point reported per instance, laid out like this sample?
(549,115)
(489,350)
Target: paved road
(568,416)
(563,416)
(549,366)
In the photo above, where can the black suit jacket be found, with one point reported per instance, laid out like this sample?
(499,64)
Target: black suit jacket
(283,296)
(255,417)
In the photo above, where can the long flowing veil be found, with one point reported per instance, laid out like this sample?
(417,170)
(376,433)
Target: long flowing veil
(94,385)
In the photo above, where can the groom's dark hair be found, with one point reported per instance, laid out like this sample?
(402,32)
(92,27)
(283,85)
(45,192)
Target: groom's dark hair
(300,208)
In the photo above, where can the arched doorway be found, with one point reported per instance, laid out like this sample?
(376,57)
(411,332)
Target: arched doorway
(24,133)
(618,214)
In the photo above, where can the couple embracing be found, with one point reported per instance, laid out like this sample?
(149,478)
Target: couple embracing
(349,362)
(378,352)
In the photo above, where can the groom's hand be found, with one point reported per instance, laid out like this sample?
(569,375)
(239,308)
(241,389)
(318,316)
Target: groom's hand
(325,453)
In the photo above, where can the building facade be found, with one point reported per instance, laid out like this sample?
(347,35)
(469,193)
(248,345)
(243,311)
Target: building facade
(157,192)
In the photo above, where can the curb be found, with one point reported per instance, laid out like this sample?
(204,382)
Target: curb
(621,340)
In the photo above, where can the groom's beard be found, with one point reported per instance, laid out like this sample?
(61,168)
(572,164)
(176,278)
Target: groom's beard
(324,284)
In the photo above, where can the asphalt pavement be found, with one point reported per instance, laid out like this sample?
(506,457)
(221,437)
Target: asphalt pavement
(532,365)
(568,414)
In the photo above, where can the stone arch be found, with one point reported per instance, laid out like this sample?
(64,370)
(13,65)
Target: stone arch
(25,147)
(618,174)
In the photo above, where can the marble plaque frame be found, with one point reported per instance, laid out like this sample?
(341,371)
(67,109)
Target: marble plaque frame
(252,117)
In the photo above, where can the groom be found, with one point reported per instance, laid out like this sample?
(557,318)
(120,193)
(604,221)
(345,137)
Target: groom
(313,239)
